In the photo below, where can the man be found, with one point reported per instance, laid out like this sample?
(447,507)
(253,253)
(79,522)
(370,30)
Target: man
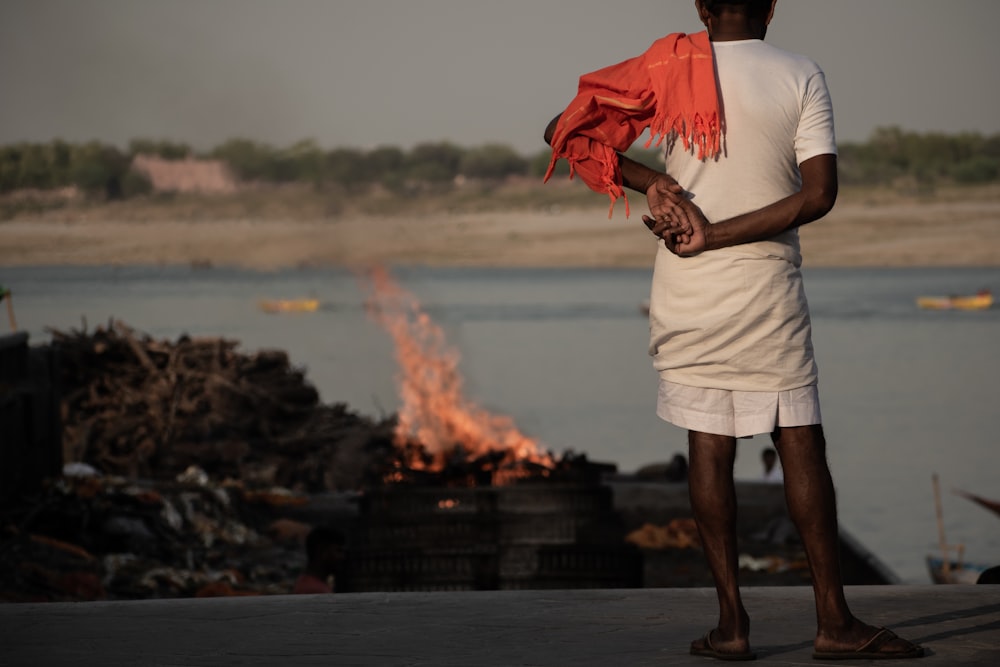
(729,325)
(772,471)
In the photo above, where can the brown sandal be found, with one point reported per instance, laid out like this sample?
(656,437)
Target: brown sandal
(710,651)
(872,649)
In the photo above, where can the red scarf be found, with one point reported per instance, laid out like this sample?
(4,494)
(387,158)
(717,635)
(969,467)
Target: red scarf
(670,89)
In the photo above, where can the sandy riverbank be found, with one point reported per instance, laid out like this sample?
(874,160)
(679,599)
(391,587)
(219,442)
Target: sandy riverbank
(945,231)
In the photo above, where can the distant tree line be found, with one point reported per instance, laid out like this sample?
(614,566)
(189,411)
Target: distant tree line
(426,165)
(891,156)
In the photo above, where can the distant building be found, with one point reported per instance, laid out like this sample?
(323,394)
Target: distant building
(186,175)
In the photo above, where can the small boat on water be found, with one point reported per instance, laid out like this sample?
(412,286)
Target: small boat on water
(946,569)
(981,300)
(956,571)
(289,305)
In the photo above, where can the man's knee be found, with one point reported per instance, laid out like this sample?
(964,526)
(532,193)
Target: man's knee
(800,445)
(711,450)
(811,434)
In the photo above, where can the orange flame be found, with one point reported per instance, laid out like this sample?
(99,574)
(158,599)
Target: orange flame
(434,412)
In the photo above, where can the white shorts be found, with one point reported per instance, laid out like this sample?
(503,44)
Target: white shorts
(739,414)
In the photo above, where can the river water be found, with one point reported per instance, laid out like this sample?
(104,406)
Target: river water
(906,393)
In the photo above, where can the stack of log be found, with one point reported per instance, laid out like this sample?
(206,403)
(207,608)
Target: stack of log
(190,469)
(144,408)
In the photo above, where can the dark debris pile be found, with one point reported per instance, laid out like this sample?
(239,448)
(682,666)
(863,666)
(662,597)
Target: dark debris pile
(88,537)
(185,462)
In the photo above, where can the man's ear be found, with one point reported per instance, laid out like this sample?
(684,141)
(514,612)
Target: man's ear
(703,14)
(770,14)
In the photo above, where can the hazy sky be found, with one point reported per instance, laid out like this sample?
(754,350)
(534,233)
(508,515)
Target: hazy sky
(364,73)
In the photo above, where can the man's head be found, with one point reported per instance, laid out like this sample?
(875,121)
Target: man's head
(756,8)
(736,19)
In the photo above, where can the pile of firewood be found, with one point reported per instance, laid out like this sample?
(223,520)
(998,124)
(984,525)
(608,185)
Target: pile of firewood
(189,470)
(144,408)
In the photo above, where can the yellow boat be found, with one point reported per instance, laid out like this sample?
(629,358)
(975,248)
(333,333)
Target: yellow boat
(979,301)
(289,305)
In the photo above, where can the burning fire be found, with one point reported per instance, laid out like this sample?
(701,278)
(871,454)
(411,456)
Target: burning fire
(437,426)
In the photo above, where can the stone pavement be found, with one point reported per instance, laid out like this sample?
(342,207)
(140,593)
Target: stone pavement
(960,625)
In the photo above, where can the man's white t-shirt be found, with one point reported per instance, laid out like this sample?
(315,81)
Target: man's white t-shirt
(737,318)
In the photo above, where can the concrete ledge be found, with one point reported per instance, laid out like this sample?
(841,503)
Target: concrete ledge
(959,624)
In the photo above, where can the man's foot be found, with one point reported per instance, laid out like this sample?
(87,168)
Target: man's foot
(880,644)
(738,649)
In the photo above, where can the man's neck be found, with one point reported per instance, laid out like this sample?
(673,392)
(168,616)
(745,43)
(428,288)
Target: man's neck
(736,27)
(732,38)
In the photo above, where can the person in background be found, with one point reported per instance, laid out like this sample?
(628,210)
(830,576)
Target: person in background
(677,470)
(325,550)
(772,469)
(674,470)
(750,155)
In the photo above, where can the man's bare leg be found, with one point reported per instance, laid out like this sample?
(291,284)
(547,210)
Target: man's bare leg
(713,500)
(812,505)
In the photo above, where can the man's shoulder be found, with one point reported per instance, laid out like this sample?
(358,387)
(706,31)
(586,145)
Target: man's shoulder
(796,60)
(744,61)
(764,52)
(680,44)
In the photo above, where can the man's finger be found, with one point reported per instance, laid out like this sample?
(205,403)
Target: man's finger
(681,225)
(683,216)
(671,243)
(658,227)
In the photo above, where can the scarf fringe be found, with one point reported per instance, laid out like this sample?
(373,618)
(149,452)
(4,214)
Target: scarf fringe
(610,178)
(612,109)
(702,133)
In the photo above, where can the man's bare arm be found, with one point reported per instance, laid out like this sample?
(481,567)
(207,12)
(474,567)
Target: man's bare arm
(635,175)
(816,197)
(550,129)
(663,194)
